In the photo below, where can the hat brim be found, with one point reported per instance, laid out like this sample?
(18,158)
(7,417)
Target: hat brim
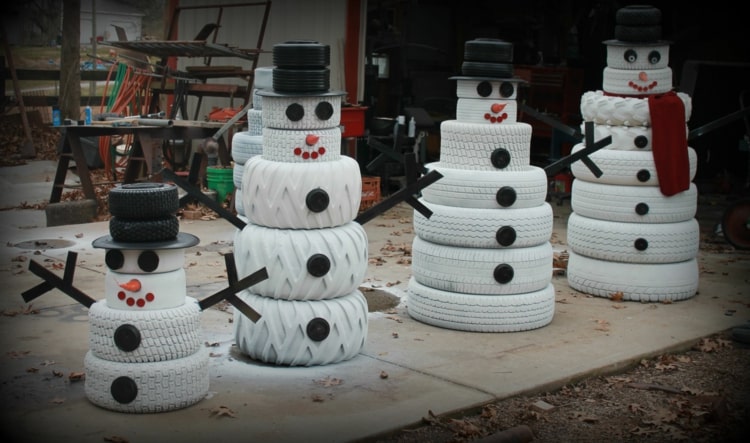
(183,240)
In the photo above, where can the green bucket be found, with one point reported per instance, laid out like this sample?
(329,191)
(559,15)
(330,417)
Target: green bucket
(221,180)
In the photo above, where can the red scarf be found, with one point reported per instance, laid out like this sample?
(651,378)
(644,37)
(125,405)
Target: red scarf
(669,142)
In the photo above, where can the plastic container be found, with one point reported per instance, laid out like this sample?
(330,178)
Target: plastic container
(221,180)
(56,116)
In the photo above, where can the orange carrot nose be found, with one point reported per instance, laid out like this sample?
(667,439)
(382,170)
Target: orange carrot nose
(133,285)
(311,139)
(643,76)
(497,107)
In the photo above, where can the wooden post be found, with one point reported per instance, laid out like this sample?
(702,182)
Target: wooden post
(27,150)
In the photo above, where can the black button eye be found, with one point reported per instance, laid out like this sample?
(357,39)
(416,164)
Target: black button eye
(295,112)
(484,89)
(324,110)
(654,57)
(114,259)
(148,261)
(507,89)
(631,56)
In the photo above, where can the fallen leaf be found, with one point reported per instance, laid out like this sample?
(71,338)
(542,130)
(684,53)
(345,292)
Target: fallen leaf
(116,439)
(383,374)
(616,296)
(76,376)
(602,325)
(222,411)
(329,381)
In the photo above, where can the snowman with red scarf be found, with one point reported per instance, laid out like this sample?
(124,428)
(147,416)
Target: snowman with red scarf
(632,233)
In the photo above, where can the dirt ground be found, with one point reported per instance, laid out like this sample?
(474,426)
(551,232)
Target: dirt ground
(702,395)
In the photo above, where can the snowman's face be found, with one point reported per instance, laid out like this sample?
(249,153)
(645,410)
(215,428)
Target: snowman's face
(638,57)
(310,148)
(138,276)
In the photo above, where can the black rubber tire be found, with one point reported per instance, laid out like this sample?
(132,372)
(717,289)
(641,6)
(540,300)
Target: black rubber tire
(638,15)
(481,69)
(488,50)
(143,200)
(639,34)
(301,80)
(157,229)
(301,54)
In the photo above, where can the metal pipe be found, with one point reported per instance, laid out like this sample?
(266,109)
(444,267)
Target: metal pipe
(155,122)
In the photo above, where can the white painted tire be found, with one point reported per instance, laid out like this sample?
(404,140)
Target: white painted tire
(275,111)
(238,171)
(616,57)
(156,386)
(483,147)
(302,146)
(482,271)
(625,138)
(246,146)
(637,281)
(485,228)
(622,111)
(623,81)
(239,204)
(486,111)
(479,189)
(144,336)
(287,332)
(255,119)
(164,290)
(481,313)
(633,242)
(623,167)
(292,258)
(632,204)
(276,194)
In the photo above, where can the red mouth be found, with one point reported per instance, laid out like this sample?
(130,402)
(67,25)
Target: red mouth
(134,286)
(642,76)
(308,154)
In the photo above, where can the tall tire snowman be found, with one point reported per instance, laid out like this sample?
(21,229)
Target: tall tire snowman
(300,198)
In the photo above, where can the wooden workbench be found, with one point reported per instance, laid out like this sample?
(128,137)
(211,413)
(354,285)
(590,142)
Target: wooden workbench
(141,153)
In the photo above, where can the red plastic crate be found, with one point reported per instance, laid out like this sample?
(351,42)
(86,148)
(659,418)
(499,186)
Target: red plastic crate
(370,192)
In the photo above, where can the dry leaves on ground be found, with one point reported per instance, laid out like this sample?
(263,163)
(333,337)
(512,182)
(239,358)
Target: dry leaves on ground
(701,395)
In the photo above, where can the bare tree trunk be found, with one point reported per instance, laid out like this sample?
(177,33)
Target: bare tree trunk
(70,61)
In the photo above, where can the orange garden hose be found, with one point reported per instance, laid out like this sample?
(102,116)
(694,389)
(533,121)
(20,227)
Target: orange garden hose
(130,95)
